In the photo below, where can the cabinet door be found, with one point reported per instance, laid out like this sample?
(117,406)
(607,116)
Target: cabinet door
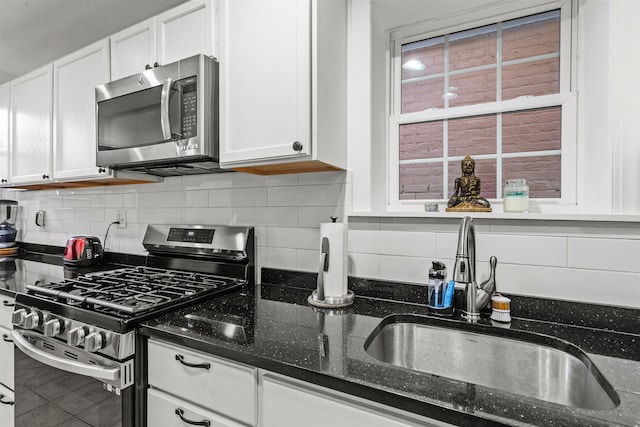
(6,407)
(132,49)
(265,80)
(286,404)
(185,31)
(74,112)
(6,358)
(5,102)
(30,131)
(170,411)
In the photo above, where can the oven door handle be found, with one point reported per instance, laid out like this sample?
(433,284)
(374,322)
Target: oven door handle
(101,373)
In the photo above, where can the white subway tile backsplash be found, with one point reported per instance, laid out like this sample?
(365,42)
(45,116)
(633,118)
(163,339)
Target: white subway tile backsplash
(306,195)
(605,254)
(404,269)
(221,216)
(533,250)
(314,216)
(80,201)
(196,198)
(159,216)
(249,197)
(207,182)
(89,214)
(364,265)
(284,258)
(275,217)
(307,260)
(393,243)
(241,180)
(298,238)
(591,286)
(106,200)
(220,198)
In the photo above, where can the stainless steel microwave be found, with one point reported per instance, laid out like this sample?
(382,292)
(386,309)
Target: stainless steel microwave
(163,121)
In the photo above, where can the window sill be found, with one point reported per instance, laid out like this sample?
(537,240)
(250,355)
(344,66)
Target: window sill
(605,217)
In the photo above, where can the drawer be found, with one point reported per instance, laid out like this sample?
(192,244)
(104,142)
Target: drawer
(6,358)
(6,311)
(169,411)
(7,407)
(216,384)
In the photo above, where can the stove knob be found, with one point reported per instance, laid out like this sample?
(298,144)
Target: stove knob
(94,342)
(53,327)
(32,320)
(76,336)
(19,317)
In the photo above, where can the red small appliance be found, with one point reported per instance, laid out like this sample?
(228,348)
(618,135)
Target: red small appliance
(83,251)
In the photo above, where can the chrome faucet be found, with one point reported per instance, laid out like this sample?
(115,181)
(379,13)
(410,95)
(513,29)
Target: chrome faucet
(464,271)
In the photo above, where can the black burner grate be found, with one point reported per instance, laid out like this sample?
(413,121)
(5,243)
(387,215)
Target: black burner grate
(129,291)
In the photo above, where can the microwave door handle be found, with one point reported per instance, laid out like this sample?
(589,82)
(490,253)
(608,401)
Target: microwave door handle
(96,371)
(164,109)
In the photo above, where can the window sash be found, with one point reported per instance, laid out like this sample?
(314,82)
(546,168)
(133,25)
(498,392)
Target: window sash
(565,99)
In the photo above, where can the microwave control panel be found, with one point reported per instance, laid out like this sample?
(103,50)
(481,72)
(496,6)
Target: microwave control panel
(189,108)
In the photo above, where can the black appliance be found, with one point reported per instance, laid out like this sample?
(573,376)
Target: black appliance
(77,354)
(82,251)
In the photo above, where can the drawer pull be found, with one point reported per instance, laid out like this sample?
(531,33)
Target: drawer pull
(7,303)
(10,402)
(180,413)
(5,338)
(180,358)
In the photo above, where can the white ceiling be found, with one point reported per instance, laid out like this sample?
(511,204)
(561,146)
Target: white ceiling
(36,32)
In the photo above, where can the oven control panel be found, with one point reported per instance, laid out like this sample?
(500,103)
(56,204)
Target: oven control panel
(77,334)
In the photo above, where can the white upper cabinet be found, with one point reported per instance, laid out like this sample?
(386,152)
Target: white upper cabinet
(30,126)
(74,136)
(283,85)
(5,102)
(181,32)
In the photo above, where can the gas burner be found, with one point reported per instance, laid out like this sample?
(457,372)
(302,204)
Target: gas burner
(128,291)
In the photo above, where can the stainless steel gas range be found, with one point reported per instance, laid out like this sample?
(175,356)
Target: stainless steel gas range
(77,357)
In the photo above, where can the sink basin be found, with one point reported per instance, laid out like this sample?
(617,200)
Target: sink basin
(529,364)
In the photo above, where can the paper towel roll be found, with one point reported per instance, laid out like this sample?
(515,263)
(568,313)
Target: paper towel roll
(335,279)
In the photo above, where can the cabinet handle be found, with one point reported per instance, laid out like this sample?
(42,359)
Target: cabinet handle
(6,338)
(4,180)
(180,358)
(147,67)
(6,402)
(45,176)
(156,64)
(297,146)
(7,303)
(101,170)
(180,413)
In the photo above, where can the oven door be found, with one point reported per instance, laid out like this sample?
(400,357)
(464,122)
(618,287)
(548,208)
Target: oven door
(56,385)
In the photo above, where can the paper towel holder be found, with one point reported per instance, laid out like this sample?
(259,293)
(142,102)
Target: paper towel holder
(317,297)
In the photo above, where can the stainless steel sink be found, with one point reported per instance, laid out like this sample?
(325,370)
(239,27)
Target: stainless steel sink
(524,363)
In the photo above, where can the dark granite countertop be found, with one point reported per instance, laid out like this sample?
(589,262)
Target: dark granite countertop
(276,330)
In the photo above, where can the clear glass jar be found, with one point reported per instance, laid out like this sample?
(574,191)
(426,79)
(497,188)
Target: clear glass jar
(516,195)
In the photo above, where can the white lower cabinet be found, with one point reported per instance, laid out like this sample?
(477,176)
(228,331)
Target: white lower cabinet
(169,411)
(291,403)
(6,343)
(7,407)
(213,385)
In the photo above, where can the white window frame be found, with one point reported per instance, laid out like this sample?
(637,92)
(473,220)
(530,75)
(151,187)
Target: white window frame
(566,99)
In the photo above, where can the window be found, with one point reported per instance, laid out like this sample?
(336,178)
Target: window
(499,92)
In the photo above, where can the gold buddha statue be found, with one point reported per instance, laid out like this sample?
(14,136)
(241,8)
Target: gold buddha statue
(466,191)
